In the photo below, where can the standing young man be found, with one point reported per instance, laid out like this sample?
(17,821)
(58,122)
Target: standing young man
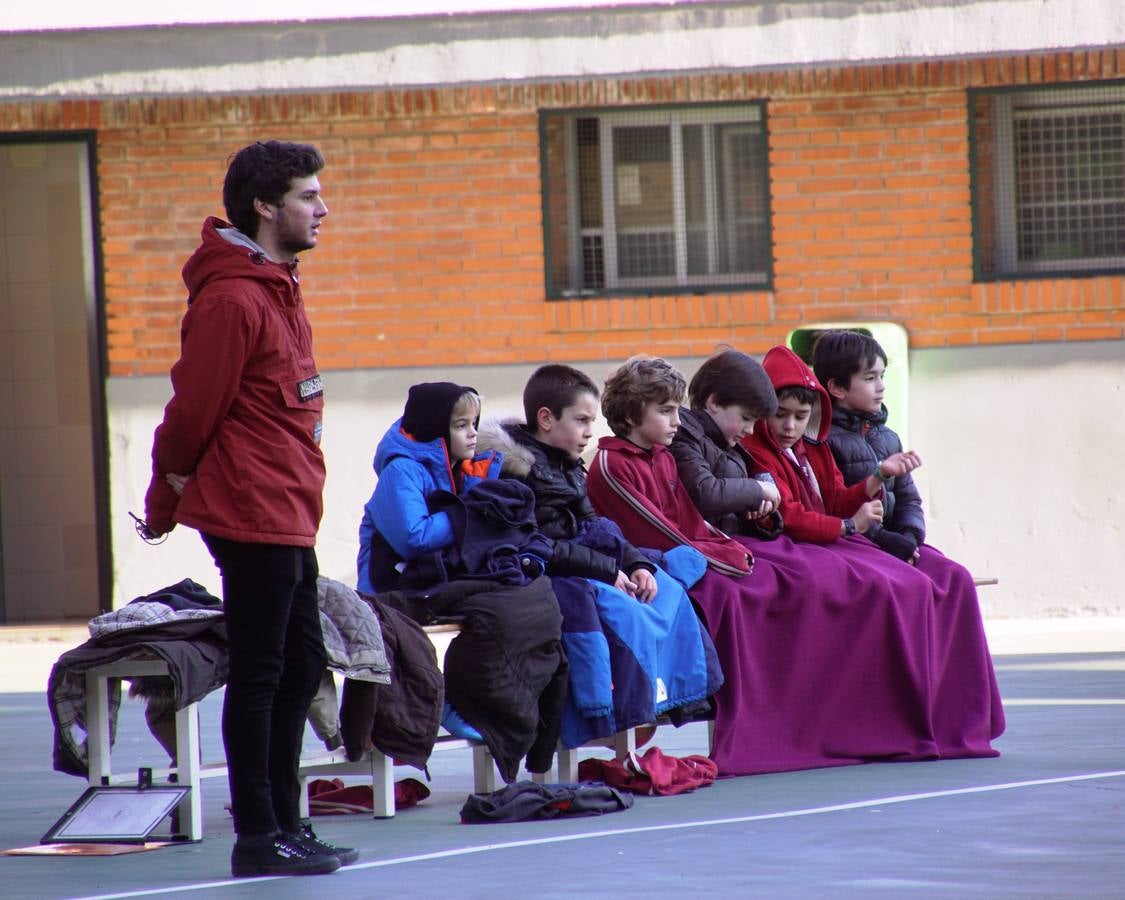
(238,458)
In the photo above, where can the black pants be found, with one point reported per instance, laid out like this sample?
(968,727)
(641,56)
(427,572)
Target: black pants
(276,660)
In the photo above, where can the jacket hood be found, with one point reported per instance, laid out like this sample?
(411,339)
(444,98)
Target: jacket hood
(691,421)
(786,369)
(432,454)
(224,252)
(510,437)
(699,424)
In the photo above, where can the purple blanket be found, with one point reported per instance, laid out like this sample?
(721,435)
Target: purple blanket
(842,654)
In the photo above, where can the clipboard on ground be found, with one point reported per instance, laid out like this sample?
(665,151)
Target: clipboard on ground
(116,814)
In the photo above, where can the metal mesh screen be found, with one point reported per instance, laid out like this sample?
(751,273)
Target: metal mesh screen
(1049,180)
(659,200)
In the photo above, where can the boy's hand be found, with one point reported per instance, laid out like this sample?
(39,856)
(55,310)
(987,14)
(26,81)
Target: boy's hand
(900,463)
(771,495)
(762,510)
(646,585)
(871,513)
(771,499)
(624,584)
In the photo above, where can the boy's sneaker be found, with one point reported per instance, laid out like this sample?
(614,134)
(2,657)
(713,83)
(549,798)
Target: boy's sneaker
(276,854)
(307,839)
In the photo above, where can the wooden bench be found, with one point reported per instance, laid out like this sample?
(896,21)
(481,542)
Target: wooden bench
(374,765)
(190,771)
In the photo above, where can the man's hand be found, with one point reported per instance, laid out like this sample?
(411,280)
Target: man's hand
(147,533)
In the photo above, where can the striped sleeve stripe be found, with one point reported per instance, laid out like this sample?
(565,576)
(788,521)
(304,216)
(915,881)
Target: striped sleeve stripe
(643,511)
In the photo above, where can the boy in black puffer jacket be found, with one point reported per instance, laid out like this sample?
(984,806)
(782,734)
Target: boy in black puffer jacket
(634,642)
(850,365)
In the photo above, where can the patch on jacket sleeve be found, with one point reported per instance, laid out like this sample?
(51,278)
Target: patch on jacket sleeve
(310,388)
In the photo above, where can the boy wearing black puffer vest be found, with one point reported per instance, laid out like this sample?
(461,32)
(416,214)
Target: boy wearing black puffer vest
(850,365)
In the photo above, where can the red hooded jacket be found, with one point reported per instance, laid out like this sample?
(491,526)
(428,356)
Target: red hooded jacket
(804,521)
(244,421)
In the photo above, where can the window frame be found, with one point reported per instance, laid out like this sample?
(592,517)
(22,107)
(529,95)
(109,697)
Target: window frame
(752,113)
(1004,218)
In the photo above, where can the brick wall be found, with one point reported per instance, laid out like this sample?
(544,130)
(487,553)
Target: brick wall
(433,251)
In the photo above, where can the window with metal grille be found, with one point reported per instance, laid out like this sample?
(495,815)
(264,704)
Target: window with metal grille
(656,200)
(1048,170)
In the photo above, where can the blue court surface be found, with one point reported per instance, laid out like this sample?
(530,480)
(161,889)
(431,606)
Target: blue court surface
(1046,819)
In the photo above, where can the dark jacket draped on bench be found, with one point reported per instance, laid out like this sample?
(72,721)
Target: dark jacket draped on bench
(181,624)
(505,673)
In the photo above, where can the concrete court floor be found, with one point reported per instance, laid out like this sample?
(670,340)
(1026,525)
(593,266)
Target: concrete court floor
(1046,819)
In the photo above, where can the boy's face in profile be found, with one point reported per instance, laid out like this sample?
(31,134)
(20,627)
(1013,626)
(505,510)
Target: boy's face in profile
(574,427)
(658,425)
(462,435)
(734,420)
(864,392)
(788,424)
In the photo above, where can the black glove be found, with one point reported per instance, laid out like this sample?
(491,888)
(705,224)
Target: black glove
(897,544)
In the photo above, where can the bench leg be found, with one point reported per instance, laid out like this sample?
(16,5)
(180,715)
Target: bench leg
(303,801)
(484,770)
(382,785)
(568,764)
(97,729)
(625,743)
(187,771)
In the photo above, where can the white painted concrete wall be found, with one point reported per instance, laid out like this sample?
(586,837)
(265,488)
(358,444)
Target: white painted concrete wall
(561,43)
(1020,444)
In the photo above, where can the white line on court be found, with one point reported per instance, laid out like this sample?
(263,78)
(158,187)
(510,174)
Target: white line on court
(645,829)
(1059,701)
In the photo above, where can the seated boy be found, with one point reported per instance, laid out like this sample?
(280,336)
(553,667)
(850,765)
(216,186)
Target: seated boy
(633,478)
(505,673)
(653,661)
(850,365)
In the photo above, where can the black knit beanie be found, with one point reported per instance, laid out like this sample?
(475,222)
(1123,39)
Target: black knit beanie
(429,408)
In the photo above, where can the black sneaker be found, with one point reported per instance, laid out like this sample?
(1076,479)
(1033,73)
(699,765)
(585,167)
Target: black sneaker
(278,855)
(307,839)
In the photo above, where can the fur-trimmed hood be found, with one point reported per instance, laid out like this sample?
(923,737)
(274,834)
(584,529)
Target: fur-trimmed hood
(505,436)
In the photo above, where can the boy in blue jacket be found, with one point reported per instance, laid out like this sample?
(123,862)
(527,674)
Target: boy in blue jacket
(505,672)
(432,447)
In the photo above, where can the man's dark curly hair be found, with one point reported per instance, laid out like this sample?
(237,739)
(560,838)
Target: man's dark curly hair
(264,171)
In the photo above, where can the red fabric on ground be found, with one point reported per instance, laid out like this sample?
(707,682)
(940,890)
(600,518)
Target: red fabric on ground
(332,797)
(655,773)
